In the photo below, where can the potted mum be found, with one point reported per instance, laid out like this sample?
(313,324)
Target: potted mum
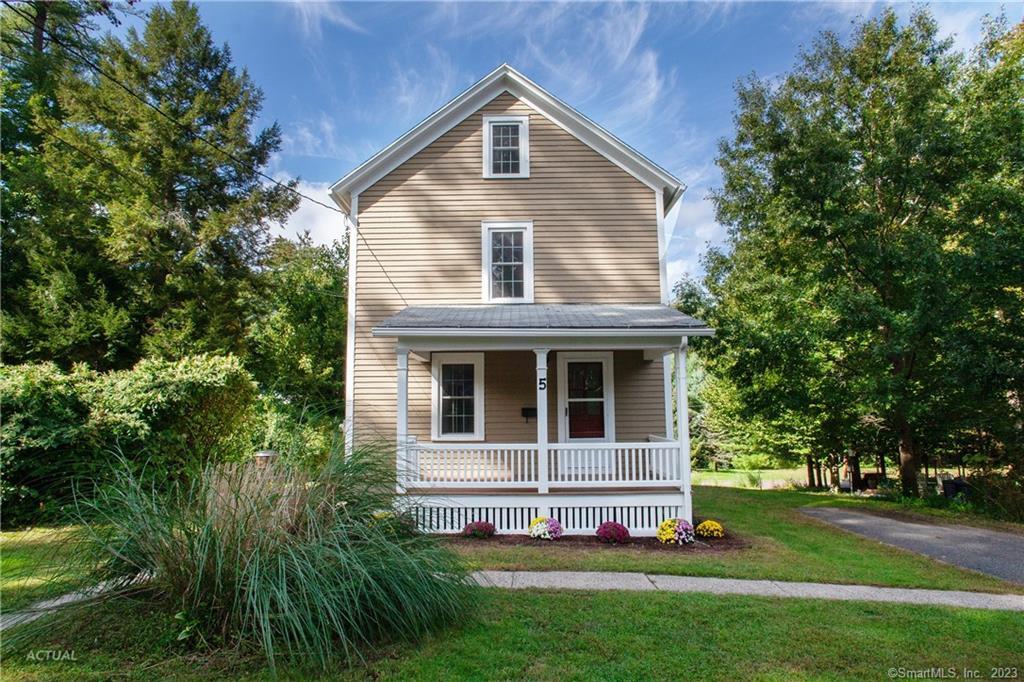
(545,528)
(612,533)
(675,532)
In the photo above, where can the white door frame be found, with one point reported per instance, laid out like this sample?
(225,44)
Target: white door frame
(608,363)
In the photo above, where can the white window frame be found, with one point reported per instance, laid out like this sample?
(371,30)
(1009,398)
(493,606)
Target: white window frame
(475,359)
(524,146)
(608,360)
(486,228)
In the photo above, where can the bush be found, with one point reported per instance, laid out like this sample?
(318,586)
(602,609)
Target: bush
(709,529)
(43,425)
(479,529)
(613,533)
(59,429)
(545,528)
(675,532)
(272,559)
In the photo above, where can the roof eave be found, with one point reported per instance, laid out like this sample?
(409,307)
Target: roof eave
(498,332)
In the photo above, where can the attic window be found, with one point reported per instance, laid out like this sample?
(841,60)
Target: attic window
(506,146)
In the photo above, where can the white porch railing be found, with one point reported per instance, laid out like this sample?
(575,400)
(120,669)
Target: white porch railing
(503,466)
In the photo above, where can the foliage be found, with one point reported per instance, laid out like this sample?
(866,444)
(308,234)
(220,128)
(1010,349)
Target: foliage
(296,328)
(478,529)
(126,235)
(272,559)
(709,529)
(870,297)
(59,429)
(752,461)
(545,528)
(675,532)
(612,533)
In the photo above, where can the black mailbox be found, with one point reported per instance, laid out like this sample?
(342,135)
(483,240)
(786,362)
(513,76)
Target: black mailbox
(529,413)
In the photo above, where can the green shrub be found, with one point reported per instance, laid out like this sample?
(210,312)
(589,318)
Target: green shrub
(42,428)
(59,429)
(272,559)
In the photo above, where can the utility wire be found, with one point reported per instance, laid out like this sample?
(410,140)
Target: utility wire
(98,69)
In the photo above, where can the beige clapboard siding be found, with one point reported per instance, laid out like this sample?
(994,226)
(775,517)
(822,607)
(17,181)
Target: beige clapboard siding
(595,241)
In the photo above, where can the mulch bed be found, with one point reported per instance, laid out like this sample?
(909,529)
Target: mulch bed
(590,542)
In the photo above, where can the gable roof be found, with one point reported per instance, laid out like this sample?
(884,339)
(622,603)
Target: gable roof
(506,79)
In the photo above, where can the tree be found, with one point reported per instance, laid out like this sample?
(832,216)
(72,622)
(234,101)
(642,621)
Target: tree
(154,215)
(858,192)
(297,327)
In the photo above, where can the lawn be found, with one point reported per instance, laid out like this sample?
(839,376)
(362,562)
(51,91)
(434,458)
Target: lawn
(28,562)
(784,545)
(744,478)
(587,636)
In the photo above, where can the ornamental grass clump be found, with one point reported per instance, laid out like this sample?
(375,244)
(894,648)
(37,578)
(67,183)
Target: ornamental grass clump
(295,565)
(675,532)
(478,529)
(612,533)
(709,529)
(545,528)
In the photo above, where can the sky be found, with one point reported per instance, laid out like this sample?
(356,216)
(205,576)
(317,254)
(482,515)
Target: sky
(344,80)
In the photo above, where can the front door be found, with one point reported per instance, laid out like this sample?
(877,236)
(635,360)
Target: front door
(585,398)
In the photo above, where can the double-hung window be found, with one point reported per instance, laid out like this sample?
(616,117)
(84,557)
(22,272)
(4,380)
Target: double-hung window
(457,404)
(507,258)
(506,146)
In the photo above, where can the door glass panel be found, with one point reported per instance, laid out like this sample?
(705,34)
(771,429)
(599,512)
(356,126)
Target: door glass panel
(586,380)
(585,399)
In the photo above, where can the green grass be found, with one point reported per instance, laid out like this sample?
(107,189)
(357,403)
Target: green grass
(588,636)
(29,562)
(784,545)
(741,478)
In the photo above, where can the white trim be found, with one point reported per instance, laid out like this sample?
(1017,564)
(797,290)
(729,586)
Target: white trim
(607,359)
(662,249)
(477,360)
(488,226)
(524,146)
(505,79)
(350,332)
(531,332)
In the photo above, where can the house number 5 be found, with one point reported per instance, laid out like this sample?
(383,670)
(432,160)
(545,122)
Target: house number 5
(542,384)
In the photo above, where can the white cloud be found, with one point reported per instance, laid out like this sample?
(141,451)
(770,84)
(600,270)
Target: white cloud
(416,91)
(314,15)
(692,229)
(323,224)
(318,137)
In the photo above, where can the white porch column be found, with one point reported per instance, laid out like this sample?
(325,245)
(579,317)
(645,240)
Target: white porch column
(402,417)
(542,419)
(683,427)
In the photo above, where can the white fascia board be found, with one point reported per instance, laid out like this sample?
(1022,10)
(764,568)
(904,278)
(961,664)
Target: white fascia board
(502,79)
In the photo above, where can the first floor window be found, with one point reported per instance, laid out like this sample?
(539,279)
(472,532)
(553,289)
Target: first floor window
(458,396)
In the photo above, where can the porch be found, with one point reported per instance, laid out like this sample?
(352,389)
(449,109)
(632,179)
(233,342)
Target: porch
(565,459)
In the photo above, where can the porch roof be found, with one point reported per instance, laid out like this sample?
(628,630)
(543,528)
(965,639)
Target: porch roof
(549,319)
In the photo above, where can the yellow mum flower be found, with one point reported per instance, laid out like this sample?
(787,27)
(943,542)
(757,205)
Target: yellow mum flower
(710,529)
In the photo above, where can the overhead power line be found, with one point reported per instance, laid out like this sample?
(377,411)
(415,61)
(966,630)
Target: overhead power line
(85,60)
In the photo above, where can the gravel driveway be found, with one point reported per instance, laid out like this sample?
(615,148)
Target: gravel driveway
(988,551)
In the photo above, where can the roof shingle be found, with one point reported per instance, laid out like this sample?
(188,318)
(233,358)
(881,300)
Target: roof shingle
(542,316)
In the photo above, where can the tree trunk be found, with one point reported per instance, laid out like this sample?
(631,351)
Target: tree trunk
(39,25)
(810,472)
(910,462)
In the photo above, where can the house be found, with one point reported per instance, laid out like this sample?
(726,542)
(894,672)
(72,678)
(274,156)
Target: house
(508,317)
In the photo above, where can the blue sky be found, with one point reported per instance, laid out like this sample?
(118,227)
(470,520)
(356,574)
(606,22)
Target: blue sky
(345,79)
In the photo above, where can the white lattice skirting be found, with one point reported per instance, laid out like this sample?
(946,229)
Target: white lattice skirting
(579,514)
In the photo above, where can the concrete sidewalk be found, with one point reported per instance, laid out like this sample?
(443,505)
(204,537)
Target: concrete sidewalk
(641,582)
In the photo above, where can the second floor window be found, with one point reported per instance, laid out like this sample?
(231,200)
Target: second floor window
(507,262)
(506,147)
